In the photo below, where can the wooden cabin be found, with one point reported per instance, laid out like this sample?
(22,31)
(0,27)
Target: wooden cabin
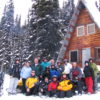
(82,40)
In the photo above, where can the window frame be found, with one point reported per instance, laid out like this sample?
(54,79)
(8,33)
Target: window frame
(96,54)
(70,55)
(82,26)
(91,32)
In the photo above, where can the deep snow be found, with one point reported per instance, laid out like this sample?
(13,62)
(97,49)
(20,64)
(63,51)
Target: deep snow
(5,96)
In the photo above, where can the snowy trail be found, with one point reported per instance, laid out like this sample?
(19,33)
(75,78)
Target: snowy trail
(23,97)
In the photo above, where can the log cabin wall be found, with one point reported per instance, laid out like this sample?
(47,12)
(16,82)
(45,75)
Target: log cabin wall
(91,41)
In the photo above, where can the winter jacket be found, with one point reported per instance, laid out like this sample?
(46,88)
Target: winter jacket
(15,70)
(60,69)
(38,69)
(45,65)
(43,85)
(25,72)
(88,71)
(52,86)
(46,74)
(31,81)
(94,67)
(65,85)
(53,71)
(67,68)
(76,73)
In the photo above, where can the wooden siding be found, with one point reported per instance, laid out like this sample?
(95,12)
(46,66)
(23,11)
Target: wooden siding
(86,41)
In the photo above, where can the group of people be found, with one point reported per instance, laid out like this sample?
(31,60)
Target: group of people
(44,77)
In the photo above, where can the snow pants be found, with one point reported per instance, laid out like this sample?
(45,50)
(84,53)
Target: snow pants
(77,86)
(13,85)
(24,85)
(62,94)
(52,93)
(89,84)
(33,91)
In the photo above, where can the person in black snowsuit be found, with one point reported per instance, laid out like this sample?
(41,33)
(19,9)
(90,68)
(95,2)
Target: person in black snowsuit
(89,75)
(46,73)
(14,77)
(43,86)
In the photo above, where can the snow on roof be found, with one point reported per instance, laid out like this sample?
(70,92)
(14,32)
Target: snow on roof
(95,15)
(94,12)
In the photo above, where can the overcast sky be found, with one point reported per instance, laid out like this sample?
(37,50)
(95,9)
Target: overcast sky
(22,6)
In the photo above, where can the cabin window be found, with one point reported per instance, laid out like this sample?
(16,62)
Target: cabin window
(97,51)
(73,56)
(80,31)
(90,28)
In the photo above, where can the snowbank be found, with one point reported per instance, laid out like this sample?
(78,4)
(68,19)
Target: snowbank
(23,97)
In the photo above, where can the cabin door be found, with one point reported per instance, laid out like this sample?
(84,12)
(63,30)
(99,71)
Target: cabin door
(86,54)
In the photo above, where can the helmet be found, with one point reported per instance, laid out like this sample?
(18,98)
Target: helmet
(54,76)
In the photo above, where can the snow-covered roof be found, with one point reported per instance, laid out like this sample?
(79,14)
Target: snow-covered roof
(92,9)
(95,15)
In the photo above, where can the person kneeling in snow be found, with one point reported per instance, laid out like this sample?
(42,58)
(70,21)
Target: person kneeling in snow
(52,87)
(64,87)
(43,86)
(31,87)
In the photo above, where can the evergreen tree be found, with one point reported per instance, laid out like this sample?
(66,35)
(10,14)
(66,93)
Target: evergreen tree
(45,25)
(7,27)
(66,14)
(17,25)
(7,20)
(98,5)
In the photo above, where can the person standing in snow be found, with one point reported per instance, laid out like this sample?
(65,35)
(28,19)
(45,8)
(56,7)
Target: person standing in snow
(95,69)
(25,73)
(67,68)
(14,77)
(45,64)
(76,76)
(37,67)
(89,74)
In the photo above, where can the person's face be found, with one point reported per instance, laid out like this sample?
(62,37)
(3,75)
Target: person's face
(86,64)
(33,73)
(36,61)
(27,64)
(46,79)
(64,76)
(17,62)
(54,79)
(91,61)
(58,63)
(45,60)
(74,64)
(52,66)
(52,61)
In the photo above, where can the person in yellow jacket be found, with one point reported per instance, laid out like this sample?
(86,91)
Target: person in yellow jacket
(31,84)
(65,87)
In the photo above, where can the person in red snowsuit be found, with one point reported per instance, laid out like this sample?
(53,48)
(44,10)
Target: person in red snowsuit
(52,86)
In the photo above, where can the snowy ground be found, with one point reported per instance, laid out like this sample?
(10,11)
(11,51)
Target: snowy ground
(23,97)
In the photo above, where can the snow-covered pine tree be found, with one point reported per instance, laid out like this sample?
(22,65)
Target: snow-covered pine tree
(44,22)
(66,14)
(7,20)
(2,50)
(24,49)
(98,5)
(7,25)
